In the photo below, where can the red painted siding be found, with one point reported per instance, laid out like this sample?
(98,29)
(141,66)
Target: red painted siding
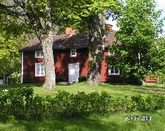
(62,59)
(104,68)
(104,71)
(150,79)
(29,68)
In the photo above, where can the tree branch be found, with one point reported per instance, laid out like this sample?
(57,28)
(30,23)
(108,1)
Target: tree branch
(8,10)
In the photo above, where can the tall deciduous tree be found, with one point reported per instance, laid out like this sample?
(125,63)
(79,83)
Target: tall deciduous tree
(139,26)
(40,16)
(89,17)
(36,15)
(157,59)
(9,47)
(9,54)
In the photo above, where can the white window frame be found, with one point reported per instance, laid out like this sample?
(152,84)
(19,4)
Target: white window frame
(40,54)
(73,53)
(40,66)
(110,68)
(111,53)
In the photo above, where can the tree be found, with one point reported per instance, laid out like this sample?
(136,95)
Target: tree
(41,16)
(9,54)
(157,59)
(9,47)
(139,26)
(36,16)
(91,20)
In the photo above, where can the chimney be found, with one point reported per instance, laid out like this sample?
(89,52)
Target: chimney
(109,26)
(70,31)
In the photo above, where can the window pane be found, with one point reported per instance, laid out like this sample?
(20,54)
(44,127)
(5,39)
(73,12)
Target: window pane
(112,69)
(42,54)
(38,53)
(39,69)
(116,70)
(42,69)
(73,52)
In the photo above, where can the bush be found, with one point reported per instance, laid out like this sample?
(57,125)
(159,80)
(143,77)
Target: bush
(161,76)
(14,78)
(82,79)
(15,102)
(20,103)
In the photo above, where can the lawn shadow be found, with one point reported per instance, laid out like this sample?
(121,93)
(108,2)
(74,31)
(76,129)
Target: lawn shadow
(19,85)
(70,124)
(136,89)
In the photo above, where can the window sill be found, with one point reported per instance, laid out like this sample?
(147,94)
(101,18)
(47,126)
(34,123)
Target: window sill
(113,74)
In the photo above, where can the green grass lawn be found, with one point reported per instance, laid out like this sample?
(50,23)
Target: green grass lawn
(114,122)
(114,90)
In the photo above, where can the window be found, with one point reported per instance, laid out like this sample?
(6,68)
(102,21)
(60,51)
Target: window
(113,70)
(39,54)
(39,69)
(73,53)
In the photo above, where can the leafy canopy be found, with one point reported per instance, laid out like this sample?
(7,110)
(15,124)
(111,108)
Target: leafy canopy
(139,25)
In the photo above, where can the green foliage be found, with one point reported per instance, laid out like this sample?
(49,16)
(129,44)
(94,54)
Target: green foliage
(44,16)
(15,102)
(157,61)
(139,26)
(161,77)
(21,103)
(82,79)
(36,14)
(14,78)
(77,13)
(9,53)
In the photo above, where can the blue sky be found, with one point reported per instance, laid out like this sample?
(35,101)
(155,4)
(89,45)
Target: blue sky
(160,6)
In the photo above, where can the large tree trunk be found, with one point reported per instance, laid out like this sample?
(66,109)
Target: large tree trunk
(96,34)
(94,75)
(47,46)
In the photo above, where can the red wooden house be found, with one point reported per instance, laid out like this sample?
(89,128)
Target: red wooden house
(70,57)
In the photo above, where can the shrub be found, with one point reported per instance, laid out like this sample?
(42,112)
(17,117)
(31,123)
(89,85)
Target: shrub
(14,78)
(161,76)
(82,79)
(20,103)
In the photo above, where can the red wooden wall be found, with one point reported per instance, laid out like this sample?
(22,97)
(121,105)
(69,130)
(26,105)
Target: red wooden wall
(104,71)
(62,59)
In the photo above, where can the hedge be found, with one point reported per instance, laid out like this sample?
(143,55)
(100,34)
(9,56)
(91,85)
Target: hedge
(21,103)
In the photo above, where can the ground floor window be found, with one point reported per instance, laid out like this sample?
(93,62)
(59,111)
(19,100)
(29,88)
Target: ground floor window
(112,70)
(39,69)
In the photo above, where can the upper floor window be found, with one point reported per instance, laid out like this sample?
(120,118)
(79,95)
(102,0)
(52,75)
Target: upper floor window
(73,53)
(111,53)
(112,70)
(39,54)
(39,69)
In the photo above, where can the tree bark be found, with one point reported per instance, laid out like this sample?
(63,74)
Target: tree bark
(47,46)
(94,76)
(96,34)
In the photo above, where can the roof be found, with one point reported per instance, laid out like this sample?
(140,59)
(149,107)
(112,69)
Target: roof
(60,42)
(64,41)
